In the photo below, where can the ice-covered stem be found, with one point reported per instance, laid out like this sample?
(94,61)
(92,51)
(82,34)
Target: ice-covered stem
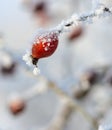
(74,20)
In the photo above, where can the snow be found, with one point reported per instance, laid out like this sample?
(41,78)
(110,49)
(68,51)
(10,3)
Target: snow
(27,58)
(36,71)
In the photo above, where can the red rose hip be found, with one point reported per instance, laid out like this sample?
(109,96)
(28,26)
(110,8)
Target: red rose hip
(44,46)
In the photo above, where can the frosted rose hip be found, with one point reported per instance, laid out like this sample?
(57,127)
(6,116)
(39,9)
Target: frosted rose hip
(44,45)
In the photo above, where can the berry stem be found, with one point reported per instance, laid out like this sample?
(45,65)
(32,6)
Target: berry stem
(34,61)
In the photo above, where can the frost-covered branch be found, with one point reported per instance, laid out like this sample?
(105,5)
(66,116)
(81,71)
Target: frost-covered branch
(100,11)
(46,42)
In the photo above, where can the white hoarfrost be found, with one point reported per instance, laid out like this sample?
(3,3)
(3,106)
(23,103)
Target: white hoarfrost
(27,58)
(36,71)
(99,10)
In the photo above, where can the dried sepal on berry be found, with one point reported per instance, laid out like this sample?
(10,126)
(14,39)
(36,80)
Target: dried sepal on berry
(43,45)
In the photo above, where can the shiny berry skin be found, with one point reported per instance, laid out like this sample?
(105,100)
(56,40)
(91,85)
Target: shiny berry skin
(44,45)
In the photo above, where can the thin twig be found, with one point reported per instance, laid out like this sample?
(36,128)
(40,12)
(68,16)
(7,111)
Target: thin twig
(76,106)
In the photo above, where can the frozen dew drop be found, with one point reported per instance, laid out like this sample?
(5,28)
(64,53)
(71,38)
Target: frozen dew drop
(36,71)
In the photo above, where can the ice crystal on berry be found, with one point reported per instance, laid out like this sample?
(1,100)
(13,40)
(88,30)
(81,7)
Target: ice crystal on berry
(27,58)
(36,71)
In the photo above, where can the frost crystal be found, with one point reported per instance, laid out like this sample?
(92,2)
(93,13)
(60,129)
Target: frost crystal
(46,48)
(99,11)
(27,58)
(49,40)
(75,18)
(36,71)
(48,44)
